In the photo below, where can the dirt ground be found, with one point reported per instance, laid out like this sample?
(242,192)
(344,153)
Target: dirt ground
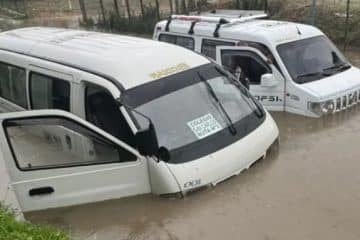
(309,191)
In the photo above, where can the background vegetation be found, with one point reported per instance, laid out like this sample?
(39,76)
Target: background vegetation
(330,15)
(10,229)
(330,18)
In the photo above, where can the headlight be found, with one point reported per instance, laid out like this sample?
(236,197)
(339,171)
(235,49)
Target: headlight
(321,108)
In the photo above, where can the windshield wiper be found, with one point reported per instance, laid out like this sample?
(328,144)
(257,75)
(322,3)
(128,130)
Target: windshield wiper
(325,72)
(257,109)
(306,75)
(211,91)
(338,67)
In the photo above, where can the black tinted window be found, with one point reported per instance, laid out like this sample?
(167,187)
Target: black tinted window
(103,111)
(186,42)
(49,93)
(311,59)
(209,47)
(13,84)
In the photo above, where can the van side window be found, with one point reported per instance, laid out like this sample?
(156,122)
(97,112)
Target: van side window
(246,66)
(208,47)
(263,49)
(13,84)
(103,111)
(49,93)
(56,142)
(186,42)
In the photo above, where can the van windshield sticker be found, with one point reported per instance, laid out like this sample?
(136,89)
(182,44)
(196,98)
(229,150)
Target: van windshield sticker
(169,71)
(204,126)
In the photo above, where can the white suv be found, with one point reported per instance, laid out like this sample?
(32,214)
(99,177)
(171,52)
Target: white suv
(291,67)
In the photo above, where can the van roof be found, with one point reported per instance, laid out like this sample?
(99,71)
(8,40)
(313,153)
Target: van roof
(131,61)
(265,31)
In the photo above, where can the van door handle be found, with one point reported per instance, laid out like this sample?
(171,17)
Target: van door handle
(41,191)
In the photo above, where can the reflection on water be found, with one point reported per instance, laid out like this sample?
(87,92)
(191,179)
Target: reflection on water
(291,124)
(308,191)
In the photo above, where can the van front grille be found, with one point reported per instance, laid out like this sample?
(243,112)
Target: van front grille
(347,101)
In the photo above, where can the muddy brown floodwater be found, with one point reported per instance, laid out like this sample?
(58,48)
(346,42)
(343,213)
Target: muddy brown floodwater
(310,190)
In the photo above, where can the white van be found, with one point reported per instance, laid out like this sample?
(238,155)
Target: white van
(291,67)
(112,116)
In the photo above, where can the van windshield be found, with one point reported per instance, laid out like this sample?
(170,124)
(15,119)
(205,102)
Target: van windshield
(195,108)
(312,59)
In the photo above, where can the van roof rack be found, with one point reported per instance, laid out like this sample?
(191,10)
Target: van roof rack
(219,17)
(224,13)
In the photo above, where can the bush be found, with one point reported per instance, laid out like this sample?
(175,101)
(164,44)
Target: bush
(10,229)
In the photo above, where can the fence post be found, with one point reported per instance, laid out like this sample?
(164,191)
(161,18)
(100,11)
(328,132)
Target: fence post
(183,6)
(266,5)
(16,5)
(245,4)
(313,12)
(237,4)
(177,7)
(83,10)
(128,9)
(26,8)
(116,5)
(347,23)
(102,10)
(70,5)
(142,9)
(191,5)
(171,7)
(157,5)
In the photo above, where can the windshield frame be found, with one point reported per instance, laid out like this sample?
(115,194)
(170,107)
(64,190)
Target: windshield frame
(319,76)
(145,93)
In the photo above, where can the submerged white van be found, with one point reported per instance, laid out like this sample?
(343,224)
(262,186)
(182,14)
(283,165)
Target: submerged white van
(112,116)
(289,66)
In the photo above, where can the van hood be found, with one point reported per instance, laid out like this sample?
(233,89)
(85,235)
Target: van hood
(335,85)
(230,161)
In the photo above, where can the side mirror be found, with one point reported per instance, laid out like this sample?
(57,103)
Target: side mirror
(146,141)
(269,80)
(148,145)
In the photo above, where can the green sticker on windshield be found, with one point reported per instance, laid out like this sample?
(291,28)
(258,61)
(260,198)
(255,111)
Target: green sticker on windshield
(204,126)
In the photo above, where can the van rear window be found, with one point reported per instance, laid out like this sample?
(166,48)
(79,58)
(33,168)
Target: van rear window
(13,84)
(49,93)
(186,42)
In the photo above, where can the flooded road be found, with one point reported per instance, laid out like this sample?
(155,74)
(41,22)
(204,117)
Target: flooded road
(310,190)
